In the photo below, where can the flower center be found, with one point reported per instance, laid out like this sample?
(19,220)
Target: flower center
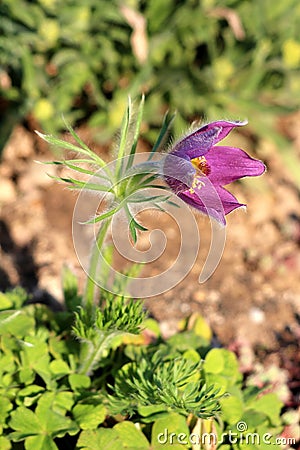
(201,164)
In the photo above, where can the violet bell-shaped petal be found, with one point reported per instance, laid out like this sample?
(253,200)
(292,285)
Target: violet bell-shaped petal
(196,169)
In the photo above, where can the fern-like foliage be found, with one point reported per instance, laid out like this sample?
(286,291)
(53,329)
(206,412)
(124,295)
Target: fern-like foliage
(174,385)
(99,330)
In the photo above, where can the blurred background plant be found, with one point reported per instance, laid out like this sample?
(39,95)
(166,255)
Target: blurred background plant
(203,58)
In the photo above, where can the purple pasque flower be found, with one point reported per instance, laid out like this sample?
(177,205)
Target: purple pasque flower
(196,169)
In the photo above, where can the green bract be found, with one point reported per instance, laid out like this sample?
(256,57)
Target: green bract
(123,183)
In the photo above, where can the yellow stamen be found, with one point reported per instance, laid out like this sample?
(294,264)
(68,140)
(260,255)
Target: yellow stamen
(200,163)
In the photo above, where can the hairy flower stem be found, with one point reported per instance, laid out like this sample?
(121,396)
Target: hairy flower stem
(90,288)
(93,355)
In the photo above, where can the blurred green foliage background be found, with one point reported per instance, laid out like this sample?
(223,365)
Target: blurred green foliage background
(204,58)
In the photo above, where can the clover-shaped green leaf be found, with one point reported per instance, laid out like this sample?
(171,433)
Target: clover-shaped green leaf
(89,416)
(124,436)
(38,428)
